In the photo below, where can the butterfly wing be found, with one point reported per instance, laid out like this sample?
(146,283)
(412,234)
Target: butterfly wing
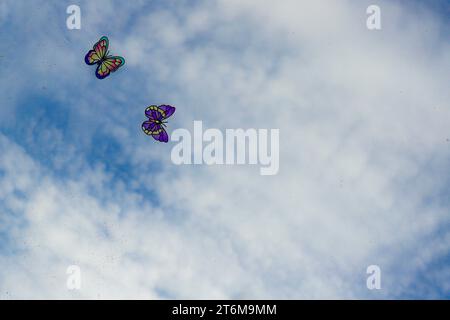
(161,136)
(155,130)
(167,110)
(108,65)
(154,113)
(159,113)
(98,53)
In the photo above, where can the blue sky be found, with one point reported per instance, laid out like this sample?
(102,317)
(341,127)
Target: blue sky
(364,151)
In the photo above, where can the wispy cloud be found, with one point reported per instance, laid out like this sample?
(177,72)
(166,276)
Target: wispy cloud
(363,118)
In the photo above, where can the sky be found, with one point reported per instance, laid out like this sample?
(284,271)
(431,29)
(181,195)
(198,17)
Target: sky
(364,120)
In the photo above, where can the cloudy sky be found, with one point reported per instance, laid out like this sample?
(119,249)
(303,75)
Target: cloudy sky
(364,119)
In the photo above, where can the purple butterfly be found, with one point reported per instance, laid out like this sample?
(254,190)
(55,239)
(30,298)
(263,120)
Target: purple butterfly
(155,125)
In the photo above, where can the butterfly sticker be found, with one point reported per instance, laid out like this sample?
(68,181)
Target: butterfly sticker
(155,124)
(100,56)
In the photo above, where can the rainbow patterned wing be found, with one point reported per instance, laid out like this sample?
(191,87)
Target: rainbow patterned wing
(98,53)
(155,130)
(108,65)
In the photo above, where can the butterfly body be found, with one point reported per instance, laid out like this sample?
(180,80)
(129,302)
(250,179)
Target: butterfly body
(106,64)
(156,122)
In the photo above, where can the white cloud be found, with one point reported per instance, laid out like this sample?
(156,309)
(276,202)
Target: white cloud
(363,120)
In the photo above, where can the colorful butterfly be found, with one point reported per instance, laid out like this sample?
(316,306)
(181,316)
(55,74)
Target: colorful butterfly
(155,125)
(105,63)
